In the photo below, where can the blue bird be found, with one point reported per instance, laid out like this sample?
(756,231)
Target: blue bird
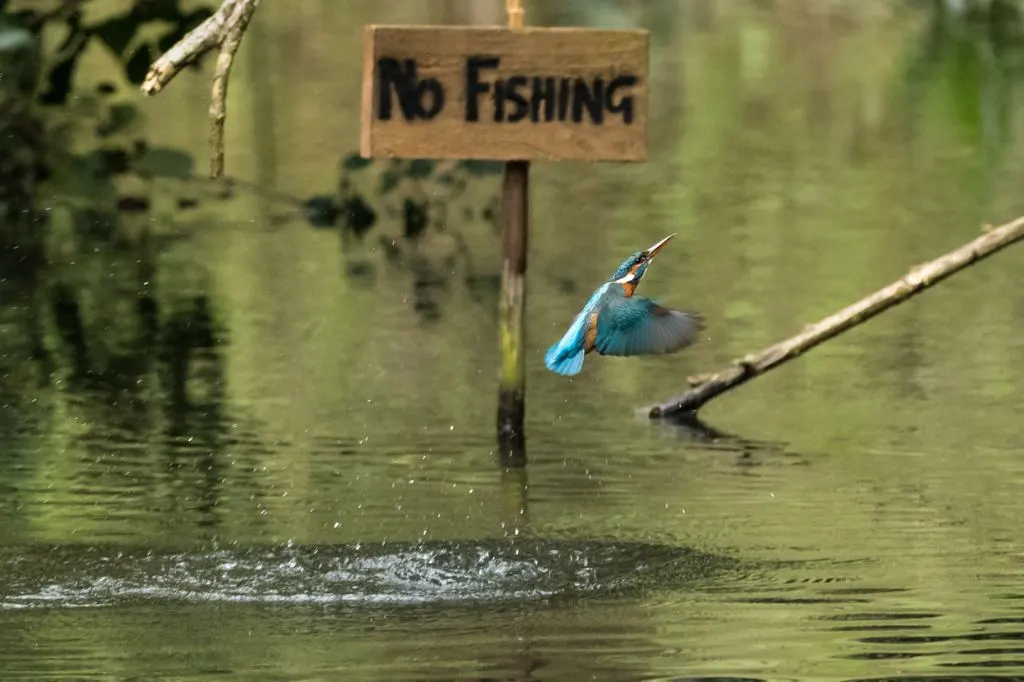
(615,322)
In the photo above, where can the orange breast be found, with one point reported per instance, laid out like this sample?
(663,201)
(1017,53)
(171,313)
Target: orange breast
(591,336)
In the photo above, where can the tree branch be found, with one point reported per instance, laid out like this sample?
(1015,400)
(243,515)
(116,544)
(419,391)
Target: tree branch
(223,30)
(708,387)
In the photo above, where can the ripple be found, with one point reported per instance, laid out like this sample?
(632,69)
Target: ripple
(370,574)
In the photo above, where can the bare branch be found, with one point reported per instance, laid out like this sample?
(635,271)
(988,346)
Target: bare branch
(218,101)
(223,30)
(707,387)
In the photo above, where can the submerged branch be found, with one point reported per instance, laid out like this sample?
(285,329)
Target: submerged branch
(706,387)
(223,30)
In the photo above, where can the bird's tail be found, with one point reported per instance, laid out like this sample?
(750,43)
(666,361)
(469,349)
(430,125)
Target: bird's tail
(563,360)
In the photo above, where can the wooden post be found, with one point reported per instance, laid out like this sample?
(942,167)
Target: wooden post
(515,219)
(515,227)
(510,94)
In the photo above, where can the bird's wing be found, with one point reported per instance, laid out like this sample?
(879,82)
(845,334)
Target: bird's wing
(639,326)
(574,336)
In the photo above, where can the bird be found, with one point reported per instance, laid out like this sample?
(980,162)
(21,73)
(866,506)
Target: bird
(615,322)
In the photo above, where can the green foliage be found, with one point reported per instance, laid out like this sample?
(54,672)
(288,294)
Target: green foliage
(414,195)
(966,66)
(118,119)
(354,162)
(390,179)
(972,53)
(425,187)
(480,168)
(119,34)
(85,146)
(165,162)
(421,168)
(14,38)
(419,196)
(414,218)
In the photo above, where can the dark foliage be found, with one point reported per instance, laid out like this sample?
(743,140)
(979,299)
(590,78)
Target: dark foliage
(415,196)
(119,34)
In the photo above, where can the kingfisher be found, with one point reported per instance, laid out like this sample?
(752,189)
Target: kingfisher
(615,322)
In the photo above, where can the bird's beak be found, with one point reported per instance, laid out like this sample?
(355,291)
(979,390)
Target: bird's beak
(655,248)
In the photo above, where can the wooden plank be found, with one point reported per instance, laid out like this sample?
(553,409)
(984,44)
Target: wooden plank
(494,93)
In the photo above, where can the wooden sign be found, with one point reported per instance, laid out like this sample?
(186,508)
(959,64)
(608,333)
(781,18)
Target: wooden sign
(494,93)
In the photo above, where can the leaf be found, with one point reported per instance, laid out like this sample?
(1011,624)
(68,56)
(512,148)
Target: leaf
(354,162)
(166,162)
(62,73)
(111,161)
(138,65)
(60,81)
(121,116)
(20,58)
(165,42)
(359,217)
(421,168)
(117,33)
(415,218)
(94,225)
(389,180)
(196,17)
(181,27)
(481,168)
(359,270)
(85,177)
(392,251)
(133,204)
(14,38)
(163,10)
(322,211)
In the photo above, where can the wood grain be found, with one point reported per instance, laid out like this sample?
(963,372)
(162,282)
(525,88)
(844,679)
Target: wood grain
(441,52)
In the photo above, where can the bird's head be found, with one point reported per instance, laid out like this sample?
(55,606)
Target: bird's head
(633,268)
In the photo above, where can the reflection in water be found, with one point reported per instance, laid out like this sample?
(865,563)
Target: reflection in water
(209,402)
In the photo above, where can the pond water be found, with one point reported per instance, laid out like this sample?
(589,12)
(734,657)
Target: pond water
(234,445)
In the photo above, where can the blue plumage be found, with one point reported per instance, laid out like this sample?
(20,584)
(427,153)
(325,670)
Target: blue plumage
(564,362)
(566,356)
(639,326)
(614,322)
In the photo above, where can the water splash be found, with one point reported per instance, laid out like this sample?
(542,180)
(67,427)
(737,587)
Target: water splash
(393,573)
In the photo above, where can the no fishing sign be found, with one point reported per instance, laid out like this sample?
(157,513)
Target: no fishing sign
(446,92)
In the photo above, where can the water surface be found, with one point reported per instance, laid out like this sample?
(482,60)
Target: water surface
(267,452)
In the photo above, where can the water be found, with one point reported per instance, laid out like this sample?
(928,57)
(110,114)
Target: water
(267,453)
